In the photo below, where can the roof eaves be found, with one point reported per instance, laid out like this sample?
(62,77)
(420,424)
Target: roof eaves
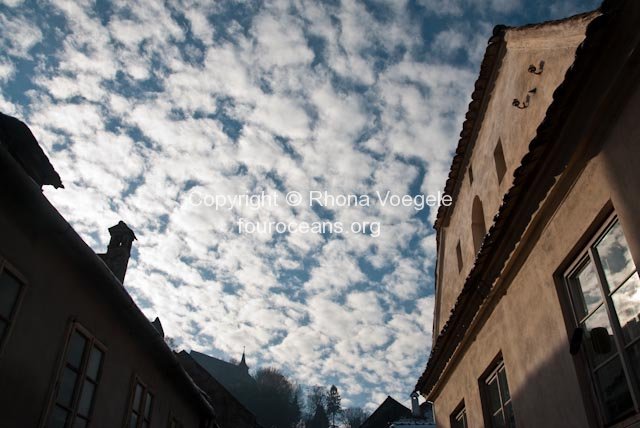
(475,289)
(479,99)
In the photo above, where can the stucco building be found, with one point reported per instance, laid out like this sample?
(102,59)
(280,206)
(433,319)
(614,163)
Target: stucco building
(537,291)
(75,350)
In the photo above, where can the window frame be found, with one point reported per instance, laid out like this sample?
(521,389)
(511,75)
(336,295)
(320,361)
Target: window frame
(24,285)
(92,342)
(585,255)
(459,415)
(493,372)
(146,390)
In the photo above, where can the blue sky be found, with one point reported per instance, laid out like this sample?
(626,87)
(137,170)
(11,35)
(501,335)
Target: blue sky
(140,104)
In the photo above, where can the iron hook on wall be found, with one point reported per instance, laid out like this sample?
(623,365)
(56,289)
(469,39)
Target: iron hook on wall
(536,70)
(521,105)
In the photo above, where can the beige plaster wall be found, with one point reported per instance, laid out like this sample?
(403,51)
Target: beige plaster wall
(527,326)
(555,45)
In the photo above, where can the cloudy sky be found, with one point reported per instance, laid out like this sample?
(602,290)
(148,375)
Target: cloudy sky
(142,105)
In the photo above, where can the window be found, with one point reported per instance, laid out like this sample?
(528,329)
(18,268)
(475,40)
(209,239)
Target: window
(77,382)
(459,417)
(459,256)
(10,292)
(604,289)
(470,174)
(140,406)
(501,164)
(478,228)
(496,398)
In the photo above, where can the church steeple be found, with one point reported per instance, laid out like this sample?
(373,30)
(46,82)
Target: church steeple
(243,361)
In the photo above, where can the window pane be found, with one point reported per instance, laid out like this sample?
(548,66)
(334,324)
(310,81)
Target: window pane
(585,290)
(494,395)
(614,256)
(67,386)
(508,415)
(137,397)
(9,290)
(504,388)
(133,421)
(58,417)
(458,422)
(627,302)
(147,406)
(634,355)
(497,420)
(614,390)
(76,349)
(86,397)
(598,343)
(93,366)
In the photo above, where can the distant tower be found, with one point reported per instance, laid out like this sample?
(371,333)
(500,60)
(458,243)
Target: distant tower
(243,362)
(119,249)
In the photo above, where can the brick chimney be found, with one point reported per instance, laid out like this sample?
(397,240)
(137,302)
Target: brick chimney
(119,249)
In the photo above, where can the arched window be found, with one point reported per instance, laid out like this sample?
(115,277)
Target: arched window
(478,228)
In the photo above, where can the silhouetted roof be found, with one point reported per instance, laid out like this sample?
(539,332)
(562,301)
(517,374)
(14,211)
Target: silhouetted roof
(388,412)
(23,146)
(235,378)
(228,408)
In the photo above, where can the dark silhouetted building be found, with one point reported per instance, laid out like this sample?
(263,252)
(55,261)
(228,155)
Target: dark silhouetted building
(75,350)
(387,413)
(230,412)
(234,377)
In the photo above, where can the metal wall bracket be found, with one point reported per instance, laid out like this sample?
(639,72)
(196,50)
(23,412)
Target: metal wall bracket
(536,70)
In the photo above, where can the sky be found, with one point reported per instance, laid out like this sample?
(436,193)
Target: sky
(150,110)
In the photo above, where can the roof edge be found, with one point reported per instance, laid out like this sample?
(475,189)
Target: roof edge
(478,100)
(476,289)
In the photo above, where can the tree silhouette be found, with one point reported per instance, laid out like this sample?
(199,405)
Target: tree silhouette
(319,418)
(316,396)
(277,399)
(334,409)
(354,417)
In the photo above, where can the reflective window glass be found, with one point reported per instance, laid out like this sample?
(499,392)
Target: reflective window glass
(614,390)
(585,290)
(615,257)
(626,300)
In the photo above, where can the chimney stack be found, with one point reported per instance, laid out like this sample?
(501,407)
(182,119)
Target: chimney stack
(119,249)
(415,406)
